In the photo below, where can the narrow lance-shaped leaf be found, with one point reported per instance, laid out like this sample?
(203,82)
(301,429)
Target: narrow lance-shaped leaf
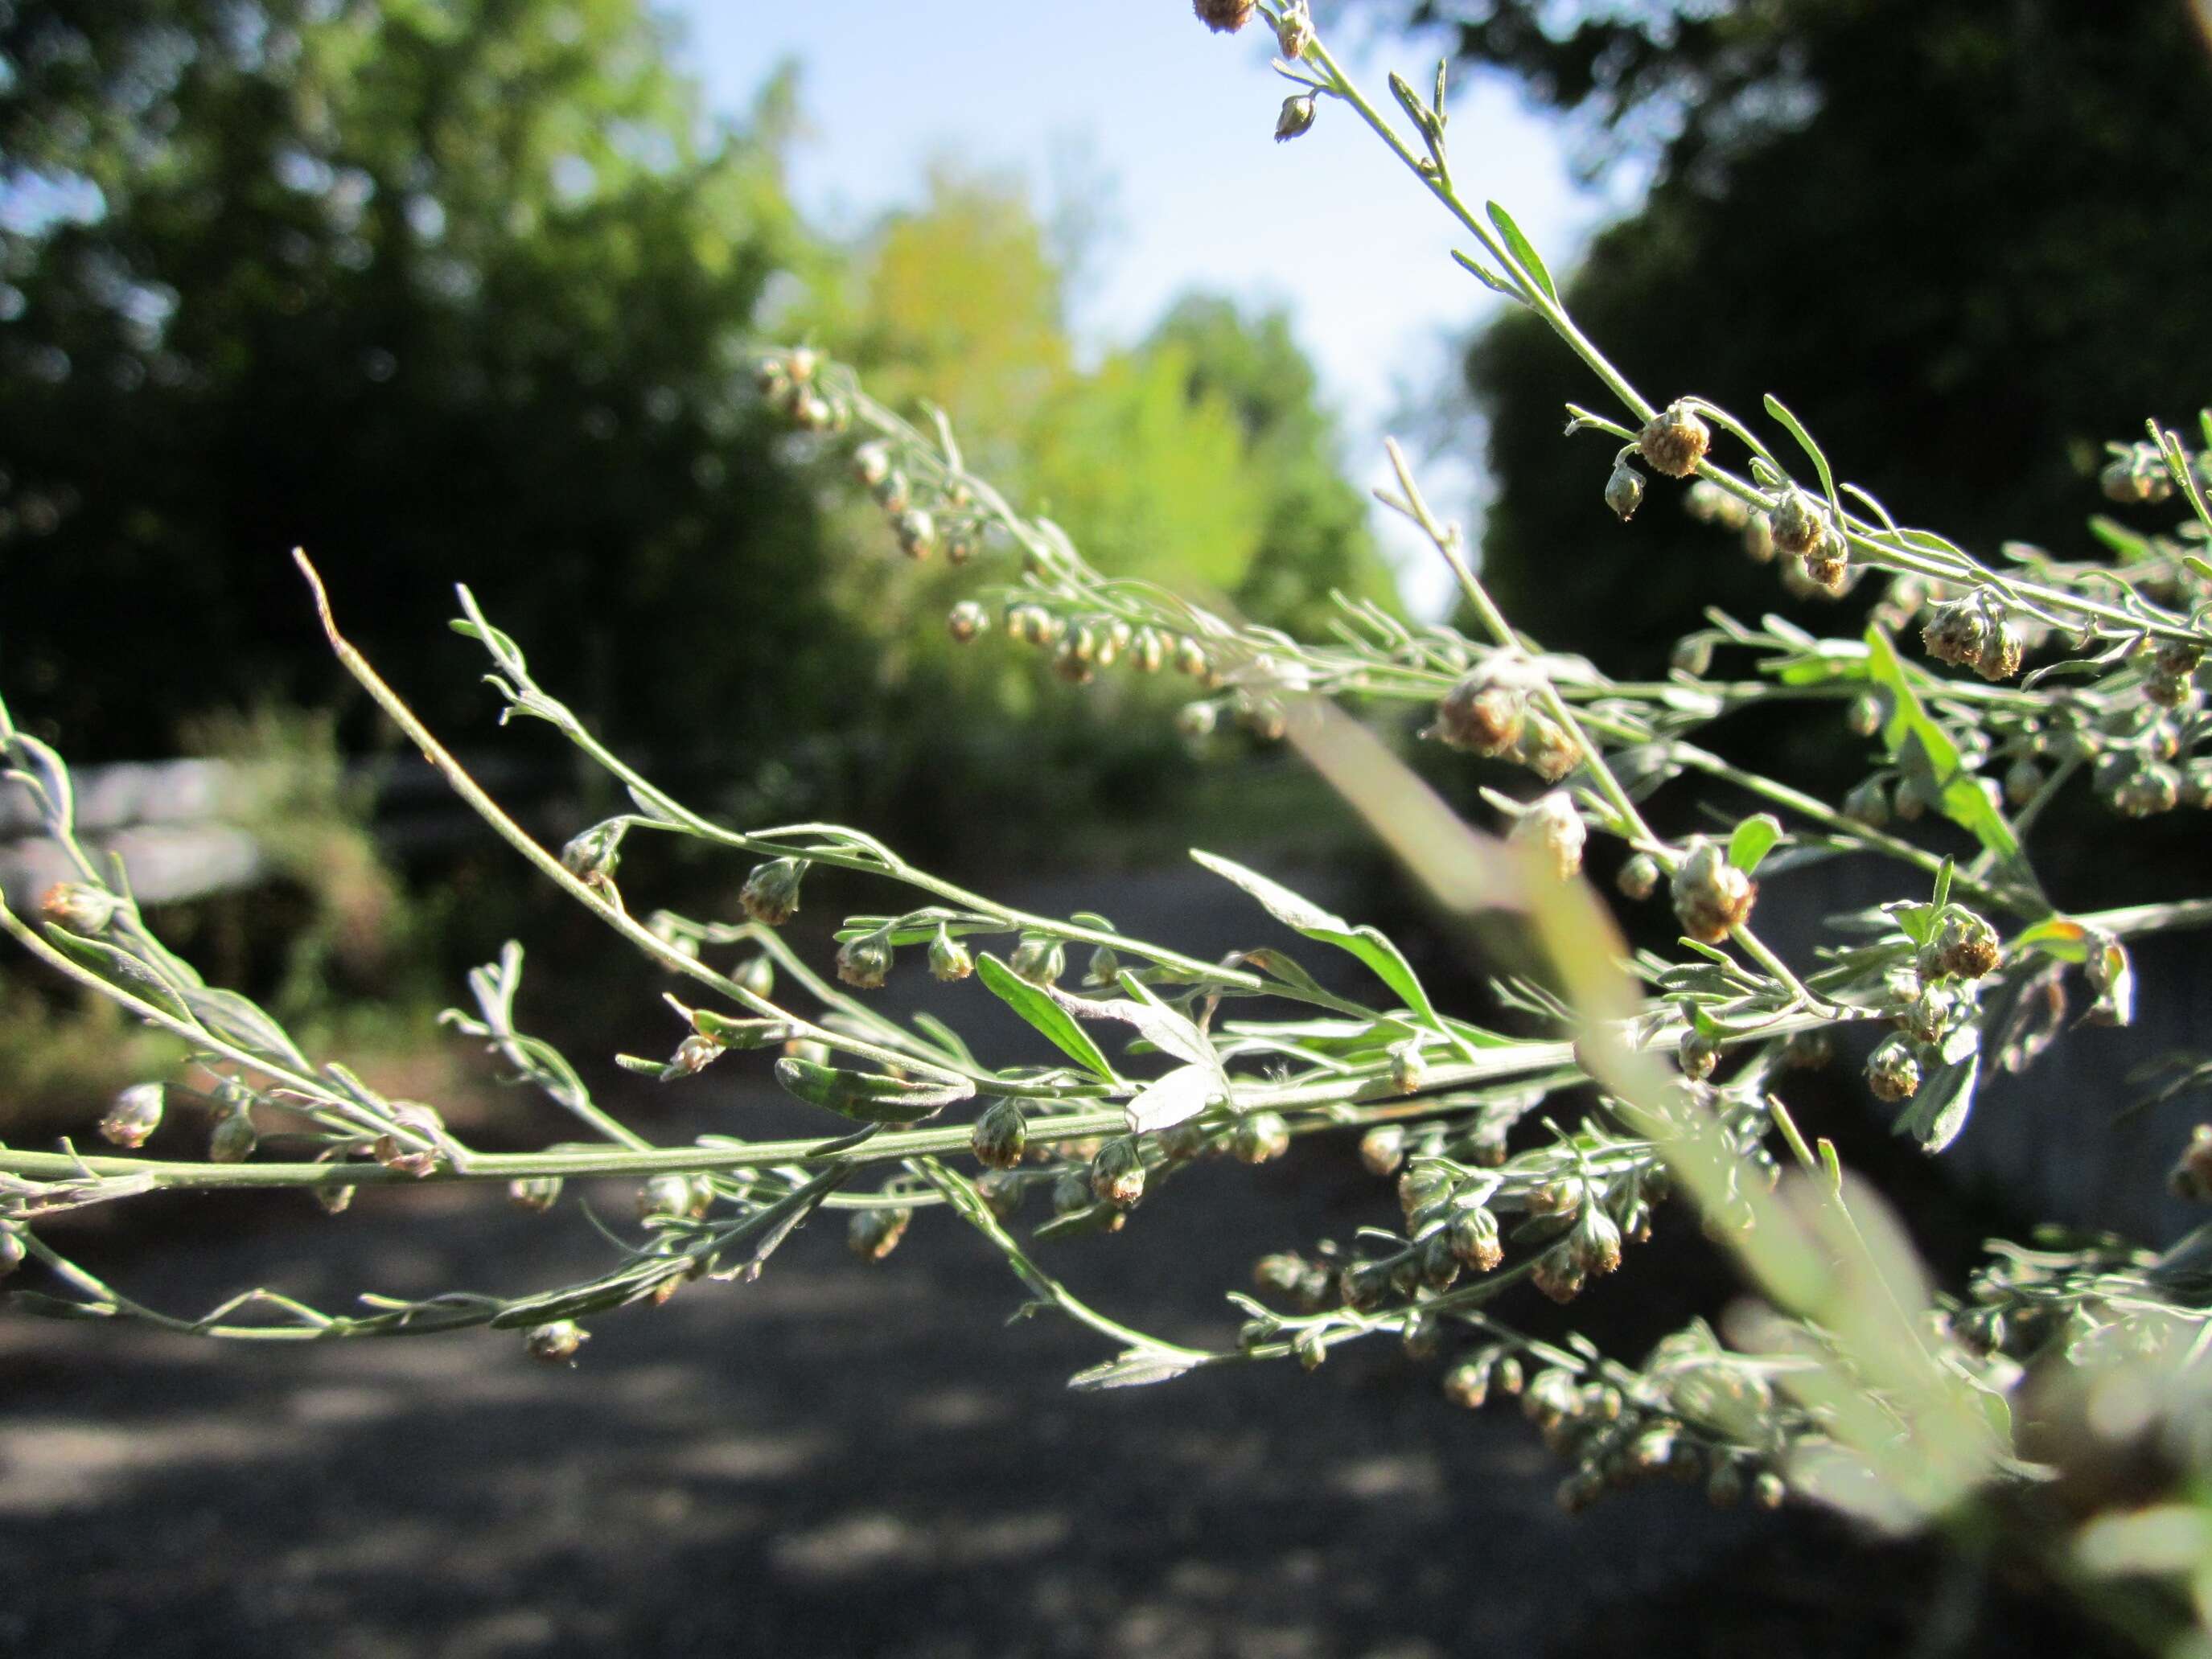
(867,1097)
(1910,731)
(1056,1024)
(1369,945)
(1523,251)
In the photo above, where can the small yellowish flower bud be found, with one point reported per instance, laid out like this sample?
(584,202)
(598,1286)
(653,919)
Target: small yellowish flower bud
(1039,959)
(865,962)
(1297,117)
(1117,1173)
(1624,491)
(1408,1071)
(233,1139)
(916,531)
(968,620)
(873,1234)
(1382,1150)
(78,907)
(538,1193)
(770,894)
(134,1115)
(1639,878)
(949,959)
(756,974)
(1259,1138)
(1000,1136)
(556,1344)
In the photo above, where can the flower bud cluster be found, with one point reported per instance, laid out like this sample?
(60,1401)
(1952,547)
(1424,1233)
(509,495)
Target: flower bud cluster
(1488,713)
(1974,633)
(1081,645)
(794,385)
(923,517)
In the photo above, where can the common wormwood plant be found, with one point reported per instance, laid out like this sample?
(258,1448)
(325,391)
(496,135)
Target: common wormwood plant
(1655,1095)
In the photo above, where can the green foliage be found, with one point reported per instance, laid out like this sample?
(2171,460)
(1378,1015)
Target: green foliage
(2060,147)
(1314,538)
(453,289)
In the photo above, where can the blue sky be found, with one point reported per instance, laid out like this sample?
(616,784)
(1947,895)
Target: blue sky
(1175,124)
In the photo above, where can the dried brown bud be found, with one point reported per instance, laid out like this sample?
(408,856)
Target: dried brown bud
(1553,825)
(1893,1070)
(770,894)
(1955,632)
(1711,895)
(1557,1276)
(1800,524)
(1224,16)
(2000,655)
(1001,1135)
(1674,441)
(1473,1236)
(1545,749)
(1117,1173)
(1964,947)
(1480,716)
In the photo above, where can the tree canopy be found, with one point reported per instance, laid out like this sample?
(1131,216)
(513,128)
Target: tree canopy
(443,291)
(1965,243)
